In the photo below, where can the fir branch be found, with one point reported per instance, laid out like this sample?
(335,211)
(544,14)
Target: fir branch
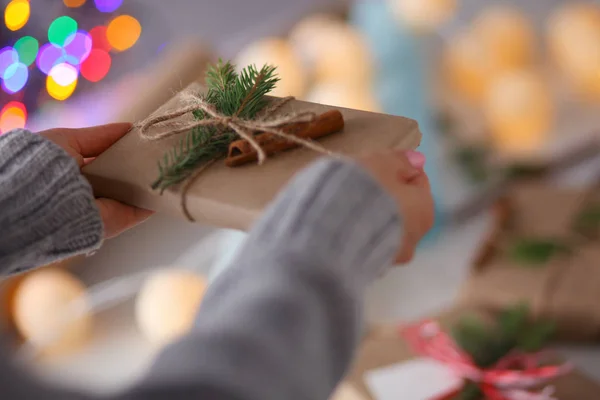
(536,251)
(242,95)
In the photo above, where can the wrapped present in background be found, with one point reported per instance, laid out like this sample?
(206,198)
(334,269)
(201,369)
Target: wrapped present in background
(464,354)
(543,249)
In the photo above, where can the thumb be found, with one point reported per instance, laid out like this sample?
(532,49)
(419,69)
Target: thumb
(118,217)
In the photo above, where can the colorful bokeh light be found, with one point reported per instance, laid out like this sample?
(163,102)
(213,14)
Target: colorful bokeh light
(73,3)
(57,91)
(78,47)
(15,77)
(27,48)
(123,32)
(16,14)
(108,6)
(49,56)
(12,116)
(8,57)
(96,66)
(60,29)
(99,39)
(64,74)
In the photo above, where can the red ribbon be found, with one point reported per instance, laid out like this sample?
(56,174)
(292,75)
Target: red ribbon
(512,378)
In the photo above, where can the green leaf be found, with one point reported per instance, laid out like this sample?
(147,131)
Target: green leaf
(471,334)
(513,321)
(470,391)
(536,336)
(536,252)
(587,222)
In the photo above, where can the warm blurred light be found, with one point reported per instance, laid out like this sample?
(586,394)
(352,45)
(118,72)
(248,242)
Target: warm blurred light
(58,91)
(346,96)
(78,47)
(278,52)
(508,33)
(99,39)
(27,47)
(64,74)
(123,32)
(15,78)
(96,66)
(423,15)
(519,111)
(12,116)
(574,41)
(108,5)
(16,14)
(50,55)
(8,57)
(74,3)
(60,29)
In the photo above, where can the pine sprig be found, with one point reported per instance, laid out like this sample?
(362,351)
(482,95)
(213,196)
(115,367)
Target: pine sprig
(242,95)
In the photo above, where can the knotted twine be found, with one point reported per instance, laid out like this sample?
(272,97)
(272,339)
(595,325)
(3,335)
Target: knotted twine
(245,128)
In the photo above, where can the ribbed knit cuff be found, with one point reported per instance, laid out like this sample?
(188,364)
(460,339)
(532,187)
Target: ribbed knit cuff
(47,208)
(339,214)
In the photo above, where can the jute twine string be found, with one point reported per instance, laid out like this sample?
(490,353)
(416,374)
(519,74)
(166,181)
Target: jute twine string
(265,122)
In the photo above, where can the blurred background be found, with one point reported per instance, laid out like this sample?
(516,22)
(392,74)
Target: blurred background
(507,94)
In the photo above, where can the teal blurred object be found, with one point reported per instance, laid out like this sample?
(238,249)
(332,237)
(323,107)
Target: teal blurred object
(401,82)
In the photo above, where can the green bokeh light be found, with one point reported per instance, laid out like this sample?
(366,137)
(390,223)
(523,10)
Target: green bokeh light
(60,29)
(28,48)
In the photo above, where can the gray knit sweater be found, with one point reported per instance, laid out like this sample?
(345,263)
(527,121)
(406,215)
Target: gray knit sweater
(281,323)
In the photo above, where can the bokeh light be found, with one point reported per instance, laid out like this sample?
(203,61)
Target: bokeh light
(12,116)
(16,14)
(15,78)
(49,56)
(78,46)
(8,57)
(60,29)
(123,32)
(108,6)
(27,47)
(96,66)
(57,91)
(73,3)
(64,74)
(99,39)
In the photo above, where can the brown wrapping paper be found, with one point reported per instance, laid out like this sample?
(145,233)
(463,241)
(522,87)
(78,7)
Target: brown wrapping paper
(565,290)
(235,197)
(383,348)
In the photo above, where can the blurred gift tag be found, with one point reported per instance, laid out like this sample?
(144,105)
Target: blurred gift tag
(417,379)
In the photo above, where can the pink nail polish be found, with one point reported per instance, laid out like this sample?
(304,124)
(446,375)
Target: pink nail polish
(416,159)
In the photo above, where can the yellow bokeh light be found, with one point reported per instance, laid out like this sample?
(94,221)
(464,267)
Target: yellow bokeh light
(12,118)
(74,3)
(57,91)
(17,14)
(123,32)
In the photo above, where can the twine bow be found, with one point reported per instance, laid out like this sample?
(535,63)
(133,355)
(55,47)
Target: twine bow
(512,378)
(245,128)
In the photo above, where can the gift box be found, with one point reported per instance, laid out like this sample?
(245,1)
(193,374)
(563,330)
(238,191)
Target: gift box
(542,249)
(227,197)
(424,362)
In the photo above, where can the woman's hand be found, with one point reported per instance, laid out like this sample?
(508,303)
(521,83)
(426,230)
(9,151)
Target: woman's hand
(401,174)
(84,145)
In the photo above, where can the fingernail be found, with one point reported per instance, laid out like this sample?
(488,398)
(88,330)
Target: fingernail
(416,159)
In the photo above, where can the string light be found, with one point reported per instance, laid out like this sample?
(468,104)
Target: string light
(108,6)
(16,14)
(73,3)
(15,78)
(12,116)
(99,39)
(57,91)
(27,48)
(123,32)
(78,47)
(8,57)
(60,29)
(96,66)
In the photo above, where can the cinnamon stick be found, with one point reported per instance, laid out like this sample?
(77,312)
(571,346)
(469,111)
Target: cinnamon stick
(241,152)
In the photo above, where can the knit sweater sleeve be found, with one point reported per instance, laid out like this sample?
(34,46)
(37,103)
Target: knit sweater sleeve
(47,209)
